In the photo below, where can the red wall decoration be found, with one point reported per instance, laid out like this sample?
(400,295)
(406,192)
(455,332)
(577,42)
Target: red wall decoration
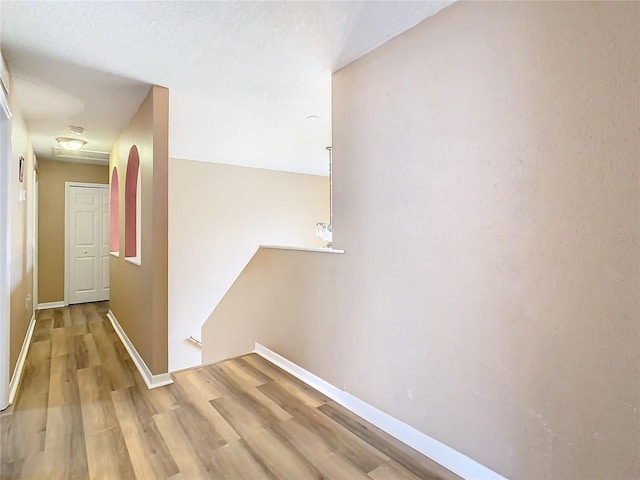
(130,202)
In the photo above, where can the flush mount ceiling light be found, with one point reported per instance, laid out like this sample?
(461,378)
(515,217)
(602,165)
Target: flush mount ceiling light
(71,143)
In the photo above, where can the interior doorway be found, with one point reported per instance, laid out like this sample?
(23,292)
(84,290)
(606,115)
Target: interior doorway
(86,242)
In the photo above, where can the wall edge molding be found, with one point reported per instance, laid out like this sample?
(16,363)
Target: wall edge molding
(22,357)
(151,380)
(449,458)
(44,306)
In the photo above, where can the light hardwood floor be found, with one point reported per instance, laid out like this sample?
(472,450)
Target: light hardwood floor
(83,412)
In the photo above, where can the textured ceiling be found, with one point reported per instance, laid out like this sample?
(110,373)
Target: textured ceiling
(243,76)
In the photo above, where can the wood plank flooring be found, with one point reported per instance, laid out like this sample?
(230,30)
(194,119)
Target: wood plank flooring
(84,412)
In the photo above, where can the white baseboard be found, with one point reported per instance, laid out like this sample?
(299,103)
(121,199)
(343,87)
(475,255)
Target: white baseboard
(449,458)
(22,357)
(149,378)
(44,306)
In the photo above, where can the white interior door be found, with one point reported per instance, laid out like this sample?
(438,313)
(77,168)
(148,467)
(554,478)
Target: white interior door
(87,243)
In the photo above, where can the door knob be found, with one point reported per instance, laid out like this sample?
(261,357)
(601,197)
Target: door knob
(85,252)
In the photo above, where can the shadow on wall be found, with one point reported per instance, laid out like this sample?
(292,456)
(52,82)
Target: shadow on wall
(497,145)
(291,298)
(218,215)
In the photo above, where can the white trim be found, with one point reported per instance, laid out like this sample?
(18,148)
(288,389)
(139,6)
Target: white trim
(84,184)
(34,240)
(67,190)
(66,242)
(449,458)
(44,306)
(149,378)
(302,249)
(4,104)
(22,357)
(6,157)
(134,260)
(4,76)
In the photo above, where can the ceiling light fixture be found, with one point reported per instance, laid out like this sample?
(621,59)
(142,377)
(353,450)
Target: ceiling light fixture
(71,143)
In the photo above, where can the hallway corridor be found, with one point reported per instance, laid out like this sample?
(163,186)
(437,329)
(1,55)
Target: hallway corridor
(84,412)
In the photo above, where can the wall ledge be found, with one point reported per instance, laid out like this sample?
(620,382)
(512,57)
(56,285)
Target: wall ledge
(151,380)
(134,260)
(446,456)
(302,249)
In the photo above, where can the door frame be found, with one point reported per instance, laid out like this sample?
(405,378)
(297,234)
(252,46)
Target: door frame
(36,200)
(67,257)
(5,238)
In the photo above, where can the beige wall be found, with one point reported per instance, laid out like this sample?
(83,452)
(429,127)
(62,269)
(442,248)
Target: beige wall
(21,226)
(52,176)
(504,166)
(139,292)
(218,215)
(486,192)
(284,300)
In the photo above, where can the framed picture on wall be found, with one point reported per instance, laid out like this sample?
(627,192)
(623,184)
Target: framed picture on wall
(21,170)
